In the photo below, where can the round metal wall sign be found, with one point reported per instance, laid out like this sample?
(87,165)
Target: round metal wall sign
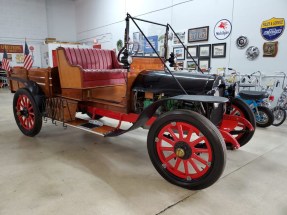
(241,42)
(252,53)
(222,29)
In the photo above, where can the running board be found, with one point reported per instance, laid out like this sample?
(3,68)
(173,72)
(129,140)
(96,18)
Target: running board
(102,130)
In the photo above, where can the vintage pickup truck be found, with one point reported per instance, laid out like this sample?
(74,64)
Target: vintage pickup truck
(189,119)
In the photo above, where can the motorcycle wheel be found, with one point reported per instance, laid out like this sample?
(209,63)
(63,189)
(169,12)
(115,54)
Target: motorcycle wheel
(279,115)
(264,117)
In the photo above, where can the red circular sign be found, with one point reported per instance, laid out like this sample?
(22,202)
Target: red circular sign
(31,48)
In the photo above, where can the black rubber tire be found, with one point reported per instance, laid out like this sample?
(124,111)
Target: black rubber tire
(37,115)
(268,113)
(208,129)
(283,116)
(249,115)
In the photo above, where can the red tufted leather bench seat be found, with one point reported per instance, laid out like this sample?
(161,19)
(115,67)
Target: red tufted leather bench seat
(98,67)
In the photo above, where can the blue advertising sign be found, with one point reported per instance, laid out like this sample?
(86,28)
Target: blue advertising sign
(273,28)
(154,41)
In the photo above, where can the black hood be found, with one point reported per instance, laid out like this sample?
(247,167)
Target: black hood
(163,82)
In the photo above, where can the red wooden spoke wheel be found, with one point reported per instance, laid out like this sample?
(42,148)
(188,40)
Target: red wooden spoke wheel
(242,133)
(240,127)
(186,149)
(26,113)
(185,153)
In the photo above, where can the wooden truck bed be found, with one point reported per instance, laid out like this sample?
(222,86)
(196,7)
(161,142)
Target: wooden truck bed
(46,78)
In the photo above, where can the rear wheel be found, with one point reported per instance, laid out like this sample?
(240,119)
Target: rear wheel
(26,113)
(279,115)
(264,117)
(240,108)
(186,149)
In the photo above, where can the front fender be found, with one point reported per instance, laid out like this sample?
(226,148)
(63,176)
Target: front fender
(149,111)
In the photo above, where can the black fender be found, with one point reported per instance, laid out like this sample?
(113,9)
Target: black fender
(149,111)
(35,91)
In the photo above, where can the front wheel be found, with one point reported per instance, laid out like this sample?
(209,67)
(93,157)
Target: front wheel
(264,117)
(186,149)
(240,108)
(26,113)
(279,115)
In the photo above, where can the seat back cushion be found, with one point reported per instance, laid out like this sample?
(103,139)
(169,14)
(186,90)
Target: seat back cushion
(90,58)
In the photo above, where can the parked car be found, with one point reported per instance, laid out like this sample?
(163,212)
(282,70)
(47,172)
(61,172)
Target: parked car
(185,113)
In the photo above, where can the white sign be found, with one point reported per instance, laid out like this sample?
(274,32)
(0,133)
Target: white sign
(222,29)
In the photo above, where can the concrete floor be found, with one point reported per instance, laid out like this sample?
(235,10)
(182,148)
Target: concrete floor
(69,171)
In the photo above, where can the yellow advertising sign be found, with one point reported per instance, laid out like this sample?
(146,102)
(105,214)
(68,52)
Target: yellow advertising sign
(273,28)
(11,48)
(273,22)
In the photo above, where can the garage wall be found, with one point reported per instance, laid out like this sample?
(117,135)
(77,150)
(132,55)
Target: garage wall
(36,20)
(20,19)
(61,20)
(248,16)
(103,19)
(23,18)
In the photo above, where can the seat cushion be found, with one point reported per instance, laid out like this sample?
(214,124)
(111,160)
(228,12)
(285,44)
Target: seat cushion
(253,95)
(91,58)
(103,77)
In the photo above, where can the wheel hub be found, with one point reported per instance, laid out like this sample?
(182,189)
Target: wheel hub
(182,150)
(23,112)
(179,152)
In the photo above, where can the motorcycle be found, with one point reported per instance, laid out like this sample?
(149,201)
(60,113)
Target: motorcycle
(257,100)
(279,111)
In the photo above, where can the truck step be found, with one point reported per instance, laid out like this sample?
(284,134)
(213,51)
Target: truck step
(95,127)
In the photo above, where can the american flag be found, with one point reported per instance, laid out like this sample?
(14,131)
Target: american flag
(28,61)
(5,62)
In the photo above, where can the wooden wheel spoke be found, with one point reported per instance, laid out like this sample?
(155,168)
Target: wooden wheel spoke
(25,101)
(22,101)
(25,121)
(180,131)
(178,161)
(21,106)
(190,132)
(167,159)
(166,148)
(194,166)
(185,164)
(233,112)
(199,150)
(195,142)
(31,118)
(170,141)
(201,160)
(172,134)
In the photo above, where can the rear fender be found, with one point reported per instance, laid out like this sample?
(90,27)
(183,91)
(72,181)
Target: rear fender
(150,110)
(35,91)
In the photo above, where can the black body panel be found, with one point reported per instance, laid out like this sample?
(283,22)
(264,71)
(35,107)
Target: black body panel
(150,110)
(162,82)
(194,84)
